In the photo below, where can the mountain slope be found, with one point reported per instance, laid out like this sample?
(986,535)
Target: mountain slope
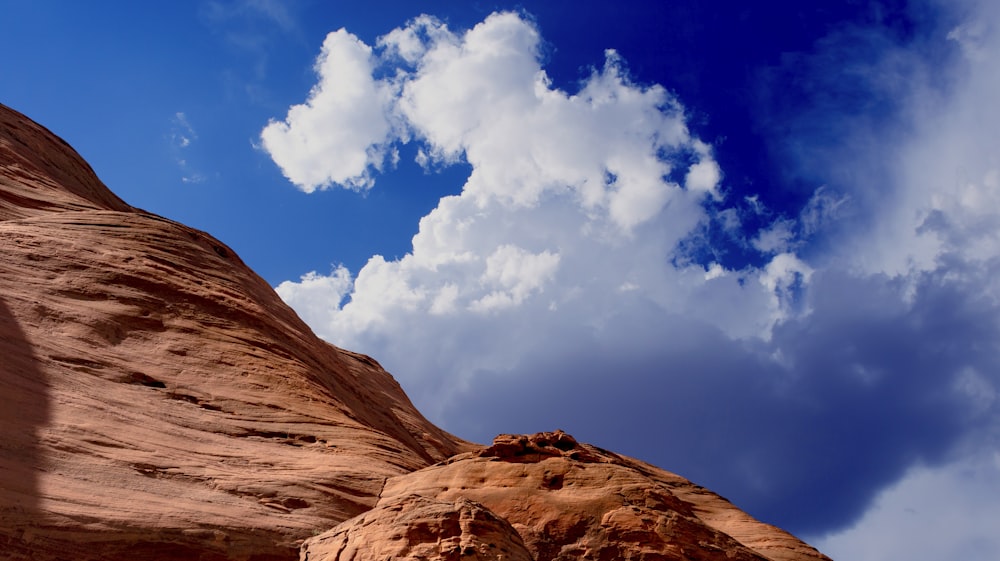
(159,396)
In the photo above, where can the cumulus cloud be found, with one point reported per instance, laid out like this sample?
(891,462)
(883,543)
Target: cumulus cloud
(567,285)
(339,134)
(571,196)
(315,294)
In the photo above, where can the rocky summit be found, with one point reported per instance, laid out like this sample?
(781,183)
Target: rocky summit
(158,401)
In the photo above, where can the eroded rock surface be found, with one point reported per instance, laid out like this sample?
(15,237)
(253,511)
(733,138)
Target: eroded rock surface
(568,500)
(158,401)
(417,527)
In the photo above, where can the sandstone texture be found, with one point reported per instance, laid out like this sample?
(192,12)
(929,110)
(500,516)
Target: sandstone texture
(565,500)
(418,527)
(159,401)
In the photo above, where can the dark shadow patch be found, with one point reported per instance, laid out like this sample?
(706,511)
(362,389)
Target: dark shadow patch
(24,409)
(145,380)
(221,251)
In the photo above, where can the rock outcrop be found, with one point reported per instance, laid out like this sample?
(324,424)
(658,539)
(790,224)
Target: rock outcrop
(564,500)
(159,401)
(418,527)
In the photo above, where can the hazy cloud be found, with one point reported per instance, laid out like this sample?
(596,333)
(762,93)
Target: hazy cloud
(947,512)
(182,133)
(273,11)
(910,204)
(254,30)
(182,136)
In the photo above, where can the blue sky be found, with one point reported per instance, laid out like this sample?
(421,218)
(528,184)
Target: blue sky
(753,244)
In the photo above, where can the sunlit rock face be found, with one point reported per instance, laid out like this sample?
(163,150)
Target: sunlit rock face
(159,401)
(563,500)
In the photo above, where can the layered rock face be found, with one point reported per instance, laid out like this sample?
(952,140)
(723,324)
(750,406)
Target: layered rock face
(159,401)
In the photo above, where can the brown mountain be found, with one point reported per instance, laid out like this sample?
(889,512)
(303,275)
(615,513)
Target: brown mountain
(159,401)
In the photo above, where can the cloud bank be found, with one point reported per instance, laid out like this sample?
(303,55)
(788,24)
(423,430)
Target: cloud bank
(572,282)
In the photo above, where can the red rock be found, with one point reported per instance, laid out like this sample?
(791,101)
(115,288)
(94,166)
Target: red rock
(574,501)
(41,173)
(159,401)
(158,397)
(415,527)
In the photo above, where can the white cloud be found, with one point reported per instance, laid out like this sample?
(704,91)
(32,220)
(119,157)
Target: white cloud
(560,186)
(777,238)
(313,294)
(706,174)
(785,277)
(571,197)
(514,274)
(339,134)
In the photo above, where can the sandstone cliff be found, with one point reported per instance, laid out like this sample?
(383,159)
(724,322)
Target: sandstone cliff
(159,401)
(159,398)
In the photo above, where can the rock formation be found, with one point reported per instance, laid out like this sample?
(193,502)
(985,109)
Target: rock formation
(557,499)
(159,401)
(158,397)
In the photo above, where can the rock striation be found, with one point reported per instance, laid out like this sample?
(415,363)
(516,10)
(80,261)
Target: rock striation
(159,401)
